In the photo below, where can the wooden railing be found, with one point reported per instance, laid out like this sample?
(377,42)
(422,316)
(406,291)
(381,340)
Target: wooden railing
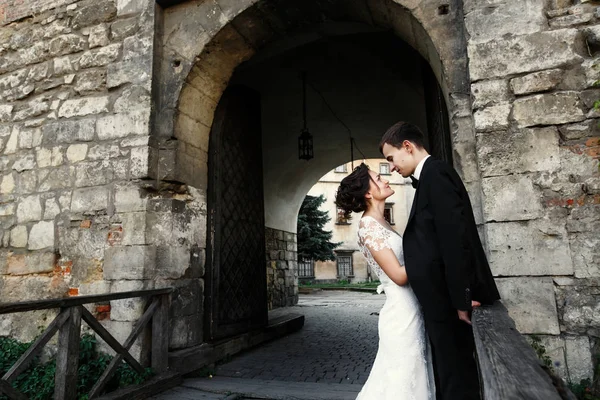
(68,325)
(508,365)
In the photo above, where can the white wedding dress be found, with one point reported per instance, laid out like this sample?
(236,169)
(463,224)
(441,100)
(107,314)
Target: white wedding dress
(402,369)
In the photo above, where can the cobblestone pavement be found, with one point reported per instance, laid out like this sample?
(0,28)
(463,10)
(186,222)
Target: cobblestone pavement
(337,344)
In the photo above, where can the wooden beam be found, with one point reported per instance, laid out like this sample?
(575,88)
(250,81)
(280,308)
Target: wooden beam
(67,358)
(7,308)
(110,340)
(114,364)
(160,336)
(11,392)
(24,361)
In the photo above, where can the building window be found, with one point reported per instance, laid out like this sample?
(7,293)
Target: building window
(340,217)
(388,213)
(306,268)
(341,168)
(384,168)
(344,264)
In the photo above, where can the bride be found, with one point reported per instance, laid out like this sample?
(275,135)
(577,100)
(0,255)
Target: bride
(402,369)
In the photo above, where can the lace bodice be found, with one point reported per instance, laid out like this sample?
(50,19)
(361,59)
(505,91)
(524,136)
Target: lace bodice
(374,235)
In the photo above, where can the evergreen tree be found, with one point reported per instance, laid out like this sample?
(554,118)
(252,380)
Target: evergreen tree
(314,242)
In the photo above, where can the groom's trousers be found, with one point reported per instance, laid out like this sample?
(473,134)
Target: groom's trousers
(453,358)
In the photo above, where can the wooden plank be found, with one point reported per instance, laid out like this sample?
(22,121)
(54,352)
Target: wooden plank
(67,358)
(7,308)
(24,361)
(509,367)
(11,392)
(157,384)
(113,365)
(110,340)
(160,336)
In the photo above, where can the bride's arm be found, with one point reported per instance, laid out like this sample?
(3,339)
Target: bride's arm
(390,265)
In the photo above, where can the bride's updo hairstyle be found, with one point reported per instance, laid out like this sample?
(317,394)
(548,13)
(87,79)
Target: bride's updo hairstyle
(350,196)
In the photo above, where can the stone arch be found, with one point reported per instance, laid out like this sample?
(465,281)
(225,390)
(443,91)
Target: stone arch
(202,43)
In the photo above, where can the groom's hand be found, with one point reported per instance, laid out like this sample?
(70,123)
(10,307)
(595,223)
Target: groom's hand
(465,315)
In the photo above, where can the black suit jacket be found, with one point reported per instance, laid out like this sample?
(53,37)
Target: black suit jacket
(445,261)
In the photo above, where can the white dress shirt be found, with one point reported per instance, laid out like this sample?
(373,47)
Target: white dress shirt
(417,173)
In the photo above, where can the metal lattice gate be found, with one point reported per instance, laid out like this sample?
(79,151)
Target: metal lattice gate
(236,294)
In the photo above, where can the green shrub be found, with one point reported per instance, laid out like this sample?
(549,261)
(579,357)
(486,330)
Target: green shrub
(37,382)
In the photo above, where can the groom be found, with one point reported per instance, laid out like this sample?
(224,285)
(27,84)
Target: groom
(445,262)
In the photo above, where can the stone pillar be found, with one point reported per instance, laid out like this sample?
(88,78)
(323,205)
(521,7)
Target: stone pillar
(282,268)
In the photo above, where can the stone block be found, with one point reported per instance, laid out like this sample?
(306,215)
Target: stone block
(93,14)
(492,118)
(579,358)
(583,225)
(69,131)
(580,130)
(548,109)
(129,198)
(7,184)
(83,106)
(139,162)
(133,98)
(29,209)
(25,162)
(579,306)
(136,71)
(101,56)
(98,36)
(29,263)
(130,7)
(127,309)
(41,235)
(489,93)
(566,21)
(510,198)
(526,150)
(531,304)
(77,152)
(536,82)
(501,56)
(18,236)
(123,28)
(122,125)
(66,44)
(539,247)
(89,199)
(172,262)
(51,209)
(555,350)
(56,178)
(185,331)
(485,23)
(129,262)
(134,228)
(90,81)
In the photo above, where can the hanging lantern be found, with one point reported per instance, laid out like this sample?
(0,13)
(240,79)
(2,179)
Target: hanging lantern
(305,140)
(305,145)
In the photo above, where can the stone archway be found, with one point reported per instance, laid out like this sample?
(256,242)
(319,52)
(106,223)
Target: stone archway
(204,42)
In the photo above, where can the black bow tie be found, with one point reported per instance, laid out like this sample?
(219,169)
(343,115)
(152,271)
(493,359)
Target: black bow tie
(414,181)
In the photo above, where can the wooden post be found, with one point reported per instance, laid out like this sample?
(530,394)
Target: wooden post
(160,336)
(67,359)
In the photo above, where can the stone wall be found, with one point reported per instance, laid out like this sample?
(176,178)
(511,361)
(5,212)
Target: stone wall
(533,65)
(282,268)
(78,214)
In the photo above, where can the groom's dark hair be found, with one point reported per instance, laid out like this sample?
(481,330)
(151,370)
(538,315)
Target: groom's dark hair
(401,131)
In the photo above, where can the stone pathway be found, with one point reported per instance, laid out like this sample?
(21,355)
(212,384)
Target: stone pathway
(330,356)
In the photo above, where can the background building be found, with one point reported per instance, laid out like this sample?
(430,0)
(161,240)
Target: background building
(350,264)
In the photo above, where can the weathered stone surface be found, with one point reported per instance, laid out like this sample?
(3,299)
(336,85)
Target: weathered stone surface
(100,57)
(539,247)
(98,36)
(555,350)
(530,302)
(139,162)
(548,109)
(134,228)
(185,331)
(89,199)
(127,309)
(122,125)
(129,198)
(51,209)
(129,7)
(129,262)
(172,262)
(510,198)
(103,152)
(57,178)
(583,225)
(580,130)
(41,235)
(519,54)
(66,44)
(579,358)
(536,82)
(492,118)
(92,174)
(76,152)
(122,28)
(30,263)
(571,20)
(488,93)
(69,131)
(18,236)
(93,13)
(486,23)
(92,80)
(132,98)
(526,150)
(136,71)
(120,330)
(83,106)
(579,308)
(29,209)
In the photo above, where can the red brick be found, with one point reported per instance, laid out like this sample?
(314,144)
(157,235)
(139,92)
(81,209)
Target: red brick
(73,291)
